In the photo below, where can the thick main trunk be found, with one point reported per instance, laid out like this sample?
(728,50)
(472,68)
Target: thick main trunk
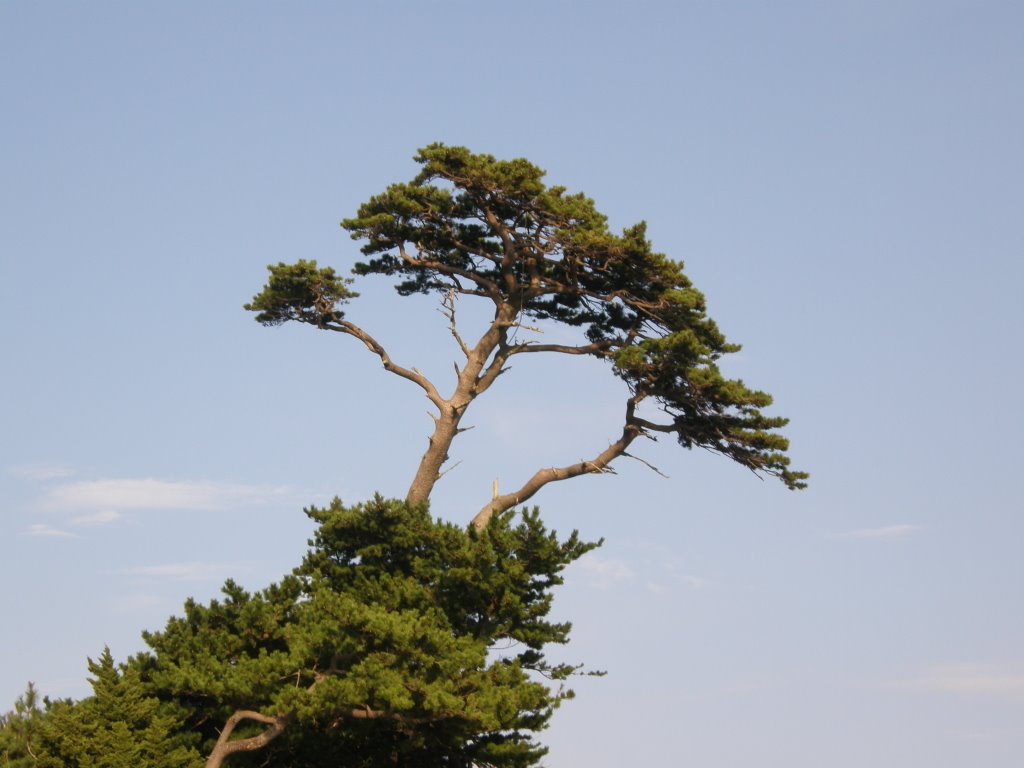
(479,373)
(446,427)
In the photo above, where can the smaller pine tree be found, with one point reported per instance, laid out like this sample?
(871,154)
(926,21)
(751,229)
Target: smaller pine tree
(20,731)
(119,726)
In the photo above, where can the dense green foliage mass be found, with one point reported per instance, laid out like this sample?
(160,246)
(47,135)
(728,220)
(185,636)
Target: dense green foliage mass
(119,726)
(399,640)
(20,730)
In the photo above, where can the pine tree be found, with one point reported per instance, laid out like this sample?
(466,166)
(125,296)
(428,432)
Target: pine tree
(381,648)
(20,745)
(400,639)
(119,726)
(469,226)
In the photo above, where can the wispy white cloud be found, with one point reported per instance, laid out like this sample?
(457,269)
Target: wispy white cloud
(986,736)
(885,532)
(103,517)
(181,571)
(675,570)
(693,582)
(604,572)
(106,495)
(972,678)
(44,530)
(657,578)
(40,471)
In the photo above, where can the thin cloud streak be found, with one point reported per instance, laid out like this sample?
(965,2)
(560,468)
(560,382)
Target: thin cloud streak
(180,571)
(604,572)
(47,531)
(885,532)
(133,604)
(693,582)
(107,495)
(103,517)
(972,678)
(40,471)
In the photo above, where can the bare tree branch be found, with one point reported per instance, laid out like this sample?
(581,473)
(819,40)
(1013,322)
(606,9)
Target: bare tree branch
(494,369)
(645,463)
(652,426)
(599,464)
(448,310)
(566,349)
(445,472)
(411,374)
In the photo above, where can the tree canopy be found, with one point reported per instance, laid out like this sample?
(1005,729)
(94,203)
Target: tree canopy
(468,225)
(399,640)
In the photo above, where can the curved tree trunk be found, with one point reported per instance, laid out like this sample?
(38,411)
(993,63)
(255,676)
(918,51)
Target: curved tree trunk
(446,427)
(225,747)
(483,366)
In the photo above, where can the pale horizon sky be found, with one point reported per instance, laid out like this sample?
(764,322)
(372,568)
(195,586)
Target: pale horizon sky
(844,181)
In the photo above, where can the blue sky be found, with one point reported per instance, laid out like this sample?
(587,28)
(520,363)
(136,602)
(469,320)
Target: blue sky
(845,182)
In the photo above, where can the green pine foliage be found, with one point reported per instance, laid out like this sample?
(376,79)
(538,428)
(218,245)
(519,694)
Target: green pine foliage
(492,228)
(472,225)
(20,738)
(302,292)
(119,726)
(399,639)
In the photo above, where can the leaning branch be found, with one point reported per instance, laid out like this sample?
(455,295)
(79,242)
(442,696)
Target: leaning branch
(651,426)
(344,326)
(599,464)
(646,464)
(566,349)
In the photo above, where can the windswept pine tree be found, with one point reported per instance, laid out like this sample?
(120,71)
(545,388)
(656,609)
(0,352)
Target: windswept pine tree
(469,226)
(401,639)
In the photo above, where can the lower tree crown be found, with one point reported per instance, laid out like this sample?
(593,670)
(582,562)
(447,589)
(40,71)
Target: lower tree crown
(398,639)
